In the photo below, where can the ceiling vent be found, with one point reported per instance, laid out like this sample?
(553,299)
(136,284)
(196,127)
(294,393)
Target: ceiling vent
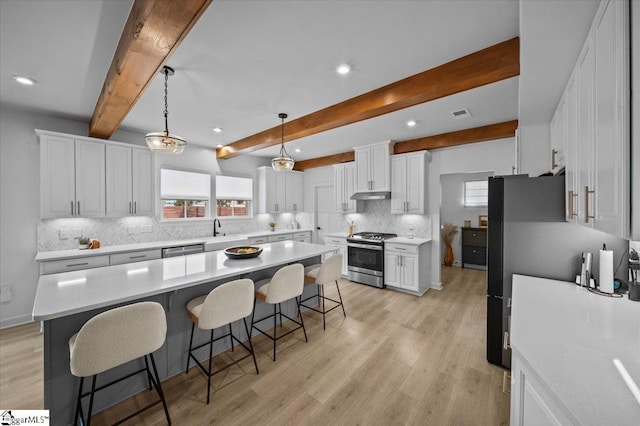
(463,113)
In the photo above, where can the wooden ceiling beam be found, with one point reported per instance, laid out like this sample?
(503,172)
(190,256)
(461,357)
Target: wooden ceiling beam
(503,130)
(328,160)
(496,131)
(489,65)
(153,31)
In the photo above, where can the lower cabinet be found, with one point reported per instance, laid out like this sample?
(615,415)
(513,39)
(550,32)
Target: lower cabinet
(341,247)
(406,266)
(531,403)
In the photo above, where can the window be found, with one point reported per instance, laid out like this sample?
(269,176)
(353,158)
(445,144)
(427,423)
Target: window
(476,193)
(233,196)
(185,195)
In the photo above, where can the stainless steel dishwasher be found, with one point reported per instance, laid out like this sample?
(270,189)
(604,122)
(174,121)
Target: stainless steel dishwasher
(182,250)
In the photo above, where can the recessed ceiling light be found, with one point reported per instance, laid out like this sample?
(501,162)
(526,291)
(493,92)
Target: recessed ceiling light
(217,129)
(297,150)
(219,145)
(27,81)
(463,113)
(343,69)
(411,123)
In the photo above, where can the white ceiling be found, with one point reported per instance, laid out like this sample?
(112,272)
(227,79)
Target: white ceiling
(246,61)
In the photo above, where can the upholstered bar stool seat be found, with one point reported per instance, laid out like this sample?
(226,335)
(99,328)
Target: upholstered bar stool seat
(114,338)
(286,284)
(328,272)
(224,305)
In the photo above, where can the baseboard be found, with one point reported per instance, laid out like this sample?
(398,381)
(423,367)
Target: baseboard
(12,322)
(436,286)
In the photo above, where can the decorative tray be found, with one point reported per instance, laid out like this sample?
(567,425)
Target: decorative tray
(242,252)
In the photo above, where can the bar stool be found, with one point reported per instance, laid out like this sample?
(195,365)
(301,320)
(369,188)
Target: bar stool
(225,304)
(287,283)
(114,338)
(321,275)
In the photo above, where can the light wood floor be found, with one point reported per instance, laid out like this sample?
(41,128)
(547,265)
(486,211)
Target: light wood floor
(395,359)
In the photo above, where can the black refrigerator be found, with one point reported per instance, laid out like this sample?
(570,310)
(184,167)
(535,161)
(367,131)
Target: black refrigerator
(528,235)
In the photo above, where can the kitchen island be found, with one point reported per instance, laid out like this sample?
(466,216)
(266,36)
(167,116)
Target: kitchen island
(65,301)
(575,355)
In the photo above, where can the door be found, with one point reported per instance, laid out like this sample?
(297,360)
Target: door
(143,183)
(574,167)
(398,184)
(324,198)
(415,193)
(338,189)
(363,167)
(294,191)
(119,181)
(392,269)
(57,179)
(90,179)
(582,91)
(379,168)
(350,187)
(409,272)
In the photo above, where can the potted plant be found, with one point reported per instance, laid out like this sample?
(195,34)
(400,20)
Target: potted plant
(447,233)
(272,225)
(84,243)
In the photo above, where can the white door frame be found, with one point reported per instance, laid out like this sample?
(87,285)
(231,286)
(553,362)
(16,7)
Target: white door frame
(315,207)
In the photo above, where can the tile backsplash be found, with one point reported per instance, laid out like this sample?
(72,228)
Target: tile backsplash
(130,230)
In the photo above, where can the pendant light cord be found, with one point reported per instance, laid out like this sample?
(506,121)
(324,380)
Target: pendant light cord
(166,104)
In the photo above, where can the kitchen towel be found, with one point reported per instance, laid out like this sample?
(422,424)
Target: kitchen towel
(606,271)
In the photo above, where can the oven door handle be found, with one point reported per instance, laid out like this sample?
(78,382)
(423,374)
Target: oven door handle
(365,246)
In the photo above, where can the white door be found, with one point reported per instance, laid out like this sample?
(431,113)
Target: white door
(363,167)
(90,179)
(338,188)
(57,180)
(410,272)
(143,183)
(398,184)
(583,90)
(415,184)
(379,168)
(119,181)
(350,186)
(392,269)
(323,209)
(294,191)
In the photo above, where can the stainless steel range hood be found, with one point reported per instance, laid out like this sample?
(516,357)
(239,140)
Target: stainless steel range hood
(382,195)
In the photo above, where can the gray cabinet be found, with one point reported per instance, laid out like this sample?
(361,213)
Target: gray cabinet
(474,246)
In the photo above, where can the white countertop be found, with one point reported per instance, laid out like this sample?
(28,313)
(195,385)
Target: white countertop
(410,241)
(46,256)
(337,235)
(69,293)
(571,337)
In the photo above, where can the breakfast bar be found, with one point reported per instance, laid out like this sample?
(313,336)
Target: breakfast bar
(65,301)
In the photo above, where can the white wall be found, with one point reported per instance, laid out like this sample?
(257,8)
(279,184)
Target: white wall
(535,149)
(452,209)
(496,156)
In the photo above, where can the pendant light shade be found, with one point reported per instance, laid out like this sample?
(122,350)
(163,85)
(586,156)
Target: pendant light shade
(283,162)
(165,142)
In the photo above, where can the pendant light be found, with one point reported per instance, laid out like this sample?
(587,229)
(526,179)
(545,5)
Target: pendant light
(165,142)
(283,162)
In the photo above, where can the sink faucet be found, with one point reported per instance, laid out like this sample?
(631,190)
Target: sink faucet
(215,229)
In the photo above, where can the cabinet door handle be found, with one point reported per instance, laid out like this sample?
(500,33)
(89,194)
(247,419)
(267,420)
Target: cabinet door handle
(135,207)
(295,207)
(72,214)
(509,302)
(142,256)
(78,209)
(553,158)
(400,248)
(570,215)
(130,211)
(586,204)
(77,264)
(506,341)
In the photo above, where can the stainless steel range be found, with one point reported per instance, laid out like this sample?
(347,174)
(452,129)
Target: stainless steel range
(365,254)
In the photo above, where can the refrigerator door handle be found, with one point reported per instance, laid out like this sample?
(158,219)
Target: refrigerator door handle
(506,341)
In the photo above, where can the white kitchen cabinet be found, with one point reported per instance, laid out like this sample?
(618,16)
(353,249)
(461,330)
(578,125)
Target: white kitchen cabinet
(408,183)
(406,266)
(341,247)
(72,177)
(136,256)
(279,192)
(278,238)
(130,187)
(303,237)
(344,183)
(592,123)
(66,265)
(373,172)
(294,191)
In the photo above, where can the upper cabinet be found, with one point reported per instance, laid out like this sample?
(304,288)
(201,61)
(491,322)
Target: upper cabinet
(86,177)
(592,124)
(72,177)
(409,174)
(130,188)
(279,192)
(344,183)
(372,167)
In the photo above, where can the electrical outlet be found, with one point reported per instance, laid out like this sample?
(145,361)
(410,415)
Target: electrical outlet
(147,229)
(132,230)
(5,294)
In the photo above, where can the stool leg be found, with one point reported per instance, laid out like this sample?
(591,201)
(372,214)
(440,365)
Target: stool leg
(159,388)
(231,337)
(340,296)
(274,331)
(93,391)
(250,345)
(318,293)
(146,366)
(79,403)
(209,373)
(253,313)
(302,322)
(193,325)
(280,312)
(324,322)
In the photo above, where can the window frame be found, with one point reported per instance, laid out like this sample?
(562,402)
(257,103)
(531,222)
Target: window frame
(464,193)
(249,203)
(185,199)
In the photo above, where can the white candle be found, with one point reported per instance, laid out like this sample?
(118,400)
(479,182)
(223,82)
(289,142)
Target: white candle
(606,271)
